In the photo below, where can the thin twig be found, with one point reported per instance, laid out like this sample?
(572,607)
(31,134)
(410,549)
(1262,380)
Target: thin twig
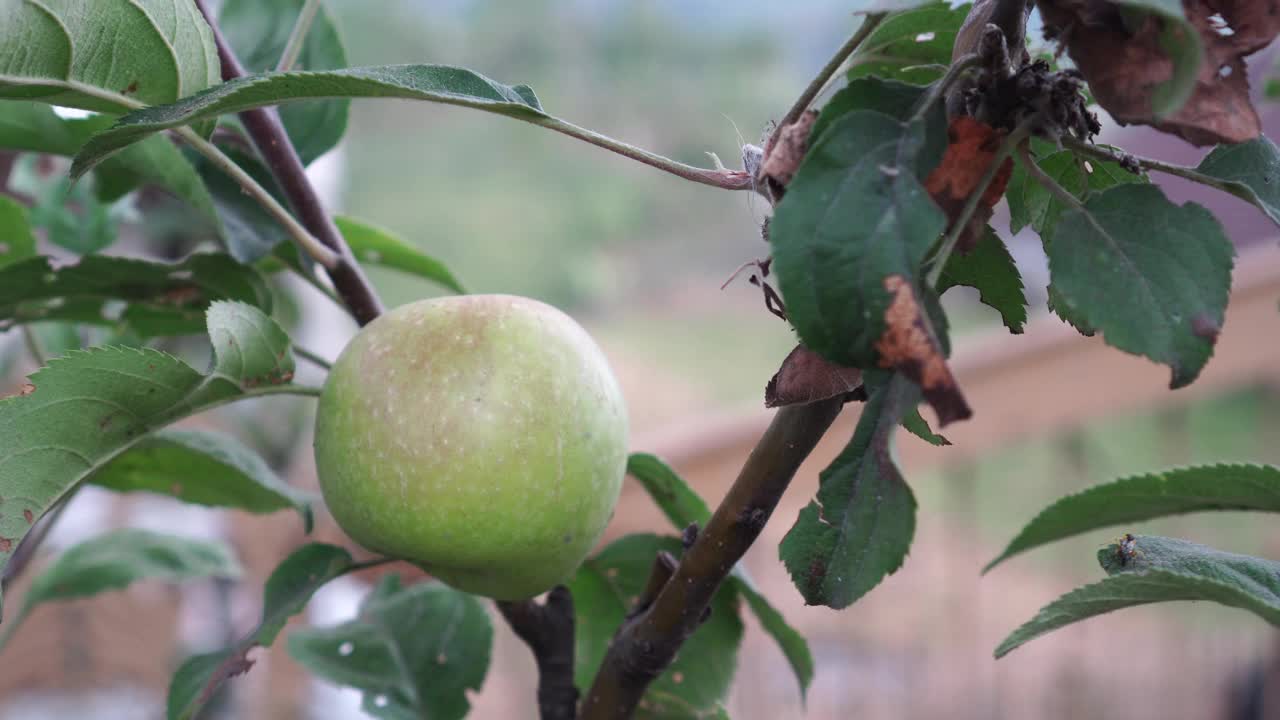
(939,259)
(293,47)
(311,357)
(547,629)
(722,178)
(648,642)
(309,244)
(1101,153)
(271,140)
(869,24)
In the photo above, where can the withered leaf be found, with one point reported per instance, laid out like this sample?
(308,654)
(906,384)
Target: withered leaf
(806,377)
(971,148)
(783,157)
(909,346)
(1179,69)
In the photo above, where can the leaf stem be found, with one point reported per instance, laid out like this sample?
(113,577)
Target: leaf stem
(971,205)
(309,244)
(648,642)
(1042,177)
(1181,171)
(271,140)
(311,357)
(824,75)
(293,47)
(725,179)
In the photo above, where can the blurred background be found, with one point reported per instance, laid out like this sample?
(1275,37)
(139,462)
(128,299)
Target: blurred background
(639,257)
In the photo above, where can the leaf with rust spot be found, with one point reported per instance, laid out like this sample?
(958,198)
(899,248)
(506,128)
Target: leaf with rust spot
(855,215)
(807,377)
(971,149)
(909,346)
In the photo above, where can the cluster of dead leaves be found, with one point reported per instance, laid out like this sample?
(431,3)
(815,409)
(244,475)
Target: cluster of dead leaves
(1127,62)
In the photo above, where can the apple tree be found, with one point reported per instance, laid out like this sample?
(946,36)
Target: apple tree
(881,199)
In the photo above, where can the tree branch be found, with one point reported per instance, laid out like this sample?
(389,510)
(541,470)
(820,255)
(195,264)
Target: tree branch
(547,629)
(869,24)
(1134,162)
(269,137)
(647,643)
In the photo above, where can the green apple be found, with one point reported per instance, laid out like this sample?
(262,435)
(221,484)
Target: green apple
(480,437)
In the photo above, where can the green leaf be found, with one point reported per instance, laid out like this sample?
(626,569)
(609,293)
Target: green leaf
(146,297)
(914,46)
(665,706)
(1162,570)
(414,652)
(258,31)
(603,591)
(895,99)
(674,497)
(915,424)
(105,55)
(1146,497)
(16,239)
(287,593)
(71,214)
(1152,276)
(116,559)
(37,128)
(1252,168)
(85,408)
(860,527)
(683,506)
(794,645)
(434,83)
(249,231)
(1031,204)
(204,468)
(855,213)
(990,269)
(376,246)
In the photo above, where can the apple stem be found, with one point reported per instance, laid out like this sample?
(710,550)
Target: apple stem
(269,137)
(649,640)
(547,629)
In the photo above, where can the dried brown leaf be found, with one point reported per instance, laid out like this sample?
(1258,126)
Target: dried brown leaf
(909,346)
(782,159)
(971,148)
(1126,63)
(807,377)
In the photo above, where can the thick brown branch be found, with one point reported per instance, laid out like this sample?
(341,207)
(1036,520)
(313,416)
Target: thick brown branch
(647,643)
(548,631)
(269,137)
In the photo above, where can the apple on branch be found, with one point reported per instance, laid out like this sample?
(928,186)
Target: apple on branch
(481,437)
